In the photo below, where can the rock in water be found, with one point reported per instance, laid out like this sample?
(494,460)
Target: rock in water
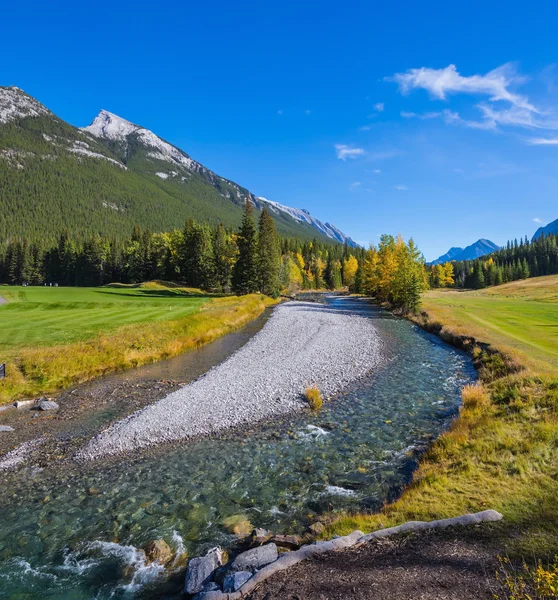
(260,536)
(255,558)
(6,428)
(234,581)
(292,542)
(159,551)
(200,570)
(45,404)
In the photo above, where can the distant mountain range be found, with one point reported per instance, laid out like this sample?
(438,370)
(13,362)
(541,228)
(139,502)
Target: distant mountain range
(479,248)
(112,175)
(550,229)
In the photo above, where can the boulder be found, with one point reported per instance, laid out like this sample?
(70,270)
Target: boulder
(200,570)
(234,581)
(45,404)
(207,589)
(255,558)
(159,551)
(6,428)
(292,542)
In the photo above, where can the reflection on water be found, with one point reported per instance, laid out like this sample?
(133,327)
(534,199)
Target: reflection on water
(73,534)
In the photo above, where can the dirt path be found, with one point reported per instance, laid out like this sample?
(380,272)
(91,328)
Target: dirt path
(432,566)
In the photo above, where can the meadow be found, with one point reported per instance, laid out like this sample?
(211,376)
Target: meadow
(518,318)
(52,338)
(57,315)
(502,450)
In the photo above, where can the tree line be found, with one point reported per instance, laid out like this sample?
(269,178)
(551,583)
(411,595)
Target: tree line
(517,260)
(253,259)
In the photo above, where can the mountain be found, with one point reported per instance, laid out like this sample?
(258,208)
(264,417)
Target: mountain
(479,248)
(550,229)
(111,175)
(448,256)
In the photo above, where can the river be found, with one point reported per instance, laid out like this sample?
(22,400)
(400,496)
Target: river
(71,532)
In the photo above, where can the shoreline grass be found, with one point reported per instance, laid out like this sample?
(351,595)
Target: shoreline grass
(502,450)
(32,371)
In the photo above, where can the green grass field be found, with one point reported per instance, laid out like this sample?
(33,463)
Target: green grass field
(521,318)
(39,316)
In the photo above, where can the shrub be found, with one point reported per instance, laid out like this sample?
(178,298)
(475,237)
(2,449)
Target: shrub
(527,583)
(314,398)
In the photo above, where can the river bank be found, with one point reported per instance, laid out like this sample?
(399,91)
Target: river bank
(82,409)
(500,452)
(48,367)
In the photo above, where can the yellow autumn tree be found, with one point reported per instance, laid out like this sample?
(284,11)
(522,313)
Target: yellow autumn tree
(350,266)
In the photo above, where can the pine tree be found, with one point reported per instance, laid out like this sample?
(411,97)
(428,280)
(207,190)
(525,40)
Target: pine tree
(245,278)
(269,257)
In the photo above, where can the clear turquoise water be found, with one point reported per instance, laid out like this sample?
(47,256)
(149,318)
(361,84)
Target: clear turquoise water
(59,541)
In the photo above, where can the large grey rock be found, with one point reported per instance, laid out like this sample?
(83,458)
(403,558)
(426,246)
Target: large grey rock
(6,428)
(45,404)
(200,570)
(234,581)
(255,558)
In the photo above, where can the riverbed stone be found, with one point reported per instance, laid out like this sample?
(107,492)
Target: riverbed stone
(159,551)
(200,570)
(234,581)
(45,404)
(260,536)
(291,542)
(5,428)
(255,558)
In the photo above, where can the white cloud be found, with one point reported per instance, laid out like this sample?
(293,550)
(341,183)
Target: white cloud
(537,220)
(402,188)
(343,151)
(441,82)
(543,141)
(354,185)
(379,106)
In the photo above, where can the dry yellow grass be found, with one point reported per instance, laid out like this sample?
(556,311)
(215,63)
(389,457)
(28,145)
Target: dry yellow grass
(40,370)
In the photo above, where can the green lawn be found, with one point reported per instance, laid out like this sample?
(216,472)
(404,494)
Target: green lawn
(39,316)
(521,317)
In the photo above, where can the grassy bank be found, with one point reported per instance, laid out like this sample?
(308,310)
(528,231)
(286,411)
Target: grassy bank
(107,329)
(502,451)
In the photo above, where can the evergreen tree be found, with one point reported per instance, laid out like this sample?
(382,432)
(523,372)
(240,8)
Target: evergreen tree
(245,278)
(269,257)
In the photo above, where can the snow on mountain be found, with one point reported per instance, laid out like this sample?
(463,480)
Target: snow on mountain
(112,127)
(16,104)
(304,216)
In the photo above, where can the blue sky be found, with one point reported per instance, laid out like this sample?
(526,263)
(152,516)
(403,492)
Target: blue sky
(434,120)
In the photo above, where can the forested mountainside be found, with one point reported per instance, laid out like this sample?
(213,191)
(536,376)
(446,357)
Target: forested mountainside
(113,175)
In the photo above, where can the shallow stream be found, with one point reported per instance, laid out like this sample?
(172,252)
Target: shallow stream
(72,533)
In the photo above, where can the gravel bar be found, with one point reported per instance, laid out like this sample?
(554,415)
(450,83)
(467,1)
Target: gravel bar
(303,344)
